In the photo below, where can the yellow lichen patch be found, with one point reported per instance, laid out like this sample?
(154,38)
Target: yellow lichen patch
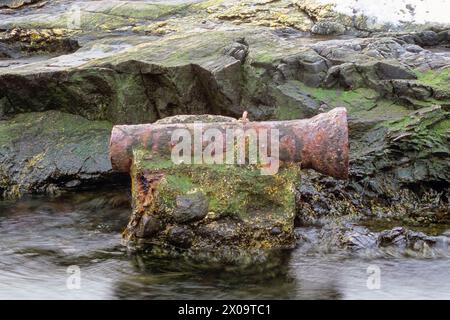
(35,40)
(35,160)
(158,28)
(269,13)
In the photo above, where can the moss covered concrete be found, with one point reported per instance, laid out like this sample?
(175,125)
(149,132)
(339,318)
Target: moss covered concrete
(257,211)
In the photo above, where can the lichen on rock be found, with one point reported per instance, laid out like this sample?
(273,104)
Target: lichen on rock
(20,42)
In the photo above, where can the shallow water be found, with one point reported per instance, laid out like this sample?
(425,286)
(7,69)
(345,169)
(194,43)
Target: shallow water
(41,237)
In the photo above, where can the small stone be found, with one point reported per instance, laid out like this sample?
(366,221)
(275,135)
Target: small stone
(413,48)
(359,238)
(52,189)
(402,237)
(190,207)
(444,36)
(73,183)
(275,231)
(429,38)
(14,4)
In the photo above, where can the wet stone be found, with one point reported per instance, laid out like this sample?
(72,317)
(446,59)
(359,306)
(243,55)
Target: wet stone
(190,207)
(403,237)
(180,236)
(328,28)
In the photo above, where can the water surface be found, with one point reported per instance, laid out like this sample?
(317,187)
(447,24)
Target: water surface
(40,237)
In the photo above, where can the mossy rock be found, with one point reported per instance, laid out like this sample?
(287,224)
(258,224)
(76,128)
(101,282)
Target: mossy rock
(411,151)
(44,151)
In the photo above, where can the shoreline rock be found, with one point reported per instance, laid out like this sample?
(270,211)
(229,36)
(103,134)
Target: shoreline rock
(43,152)
(153,61)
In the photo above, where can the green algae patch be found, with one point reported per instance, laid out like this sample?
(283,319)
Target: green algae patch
(424,132)
(442,127)
(431,88)
(362,104)
(107,16)
(420,142)
(434,119)
(361,99)
(438,79)
(46,123)
(202,5)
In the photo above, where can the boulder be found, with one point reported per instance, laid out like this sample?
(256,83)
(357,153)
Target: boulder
(428,38)
(46,151)
(405,238)
(412,149)
(369,74)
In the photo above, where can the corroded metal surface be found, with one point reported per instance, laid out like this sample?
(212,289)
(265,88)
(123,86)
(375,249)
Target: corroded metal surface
(320,143)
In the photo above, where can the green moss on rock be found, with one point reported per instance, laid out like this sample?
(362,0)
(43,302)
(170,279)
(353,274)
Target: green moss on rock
(439,79)
(255,210)
(362,104)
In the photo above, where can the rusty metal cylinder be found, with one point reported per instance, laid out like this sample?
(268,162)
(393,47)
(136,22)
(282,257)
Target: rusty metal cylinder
(319,143)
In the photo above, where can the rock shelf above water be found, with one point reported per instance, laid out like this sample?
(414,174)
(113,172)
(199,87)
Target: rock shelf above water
(142,61)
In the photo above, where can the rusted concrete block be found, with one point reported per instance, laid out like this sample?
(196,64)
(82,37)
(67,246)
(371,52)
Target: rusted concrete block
(209,206)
